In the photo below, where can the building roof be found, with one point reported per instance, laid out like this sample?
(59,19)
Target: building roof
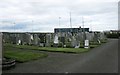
(74,30)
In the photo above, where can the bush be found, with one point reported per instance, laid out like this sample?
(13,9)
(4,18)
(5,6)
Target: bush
(113,35)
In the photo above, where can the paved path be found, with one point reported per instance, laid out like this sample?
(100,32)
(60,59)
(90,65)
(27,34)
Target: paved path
(103,59)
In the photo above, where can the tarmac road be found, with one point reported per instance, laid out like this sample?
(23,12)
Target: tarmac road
(103,59)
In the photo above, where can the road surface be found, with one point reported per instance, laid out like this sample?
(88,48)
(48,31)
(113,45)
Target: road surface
(103,59)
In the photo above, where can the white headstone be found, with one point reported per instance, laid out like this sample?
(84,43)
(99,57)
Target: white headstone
(19,42)
(64,45)
(31,37)
(56,39)
(86,44)
(99,41)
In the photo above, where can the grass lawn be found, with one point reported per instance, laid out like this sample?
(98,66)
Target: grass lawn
(53,49)
(50,49)
(65,50)
(22,55)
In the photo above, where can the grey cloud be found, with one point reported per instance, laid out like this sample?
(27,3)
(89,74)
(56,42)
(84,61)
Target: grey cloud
(46,14)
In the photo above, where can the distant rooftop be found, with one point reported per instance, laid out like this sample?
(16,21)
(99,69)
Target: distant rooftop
(74,30)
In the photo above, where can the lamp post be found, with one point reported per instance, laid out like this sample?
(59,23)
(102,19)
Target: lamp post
(14,26)
(60,31)
(32,25)
(83,30)
(59,20)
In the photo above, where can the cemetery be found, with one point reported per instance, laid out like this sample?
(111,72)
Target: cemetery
(17,45)
(64,37)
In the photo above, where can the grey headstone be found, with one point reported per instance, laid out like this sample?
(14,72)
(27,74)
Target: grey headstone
(48,40)
(56,39)
(102,35)
(89,36)
(35,39)
(41,44)
(74,42)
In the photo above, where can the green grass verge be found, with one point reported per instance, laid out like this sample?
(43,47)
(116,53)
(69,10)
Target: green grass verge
(50,49)
(22,56)
(65,50)
(53,49)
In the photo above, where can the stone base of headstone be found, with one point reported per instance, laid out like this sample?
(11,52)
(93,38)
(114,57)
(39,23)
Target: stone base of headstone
(77,46)
(99,41)
(86,47)
(64,46)
(55,45)
(47,45)
(41,44)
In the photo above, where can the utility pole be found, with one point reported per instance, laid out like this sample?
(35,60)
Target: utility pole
(32,26)
(14,26)
(91,25)
(71,24)
(59,21)
(60,31)
(83,27)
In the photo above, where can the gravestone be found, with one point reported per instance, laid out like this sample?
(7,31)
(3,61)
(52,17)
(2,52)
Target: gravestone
(48,38)
(29,38)
(78,45)
(35,39)
(95,37)
(19,42)
(18,39)
(56,40)
(88,36)
(102,35)
(13,38)
(62,41)
(74,42)
(69,36)
(41,44)
(78,41)
(86,44)
(91,36)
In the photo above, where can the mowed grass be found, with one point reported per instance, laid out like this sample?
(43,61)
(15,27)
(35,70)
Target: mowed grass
(54,49)
(65,50)
(22,55)
(50,49)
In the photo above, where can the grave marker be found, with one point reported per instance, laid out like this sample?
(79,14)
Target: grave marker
(86,44)
(56,40)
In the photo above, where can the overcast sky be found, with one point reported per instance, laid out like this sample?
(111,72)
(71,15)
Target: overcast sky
(43,15)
